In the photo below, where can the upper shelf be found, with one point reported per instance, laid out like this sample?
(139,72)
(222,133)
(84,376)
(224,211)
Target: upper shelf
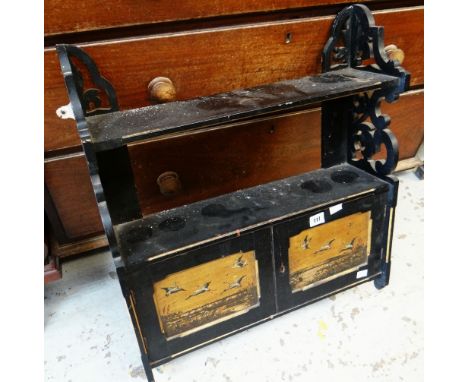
(119,128)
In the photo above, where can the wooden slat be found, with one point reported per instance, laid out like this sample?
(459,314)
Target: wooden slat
(67,16)
(78,247)
(70,189)
(217,60)
(217,162)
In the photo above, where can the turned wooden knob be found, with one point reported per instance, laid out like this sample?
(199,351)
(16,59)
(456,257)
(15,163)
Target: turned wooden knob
(394,53)
(169,183)
(161,89)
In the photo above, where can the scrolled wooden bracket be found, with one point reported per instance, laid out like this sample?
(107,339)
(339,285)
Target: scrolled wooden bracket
(84,101)
(355,41)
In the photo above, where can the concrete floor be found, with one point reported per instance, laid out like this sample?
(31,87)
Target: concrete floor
(358,335)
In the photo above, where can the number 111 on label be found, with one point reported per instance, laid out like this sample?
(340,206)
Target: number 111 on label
(317,219)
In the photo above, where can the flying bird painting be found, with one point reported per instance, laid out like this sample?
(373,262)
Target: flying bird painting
(348,246)
(305,243)
(235,284)
(205,288)
(240,263)
(326,247)
(172,290)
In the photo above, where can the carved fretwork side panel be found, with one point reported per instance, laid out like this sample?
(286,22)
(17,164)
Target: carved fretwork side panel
(356,42)
(90,93)
(370,131)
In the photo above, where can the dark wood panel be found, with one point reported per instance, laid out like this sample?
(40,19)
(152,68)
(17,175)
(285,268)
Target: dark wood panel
(67,16)
(217,162)
(72,194)
(217,60)
(407,122)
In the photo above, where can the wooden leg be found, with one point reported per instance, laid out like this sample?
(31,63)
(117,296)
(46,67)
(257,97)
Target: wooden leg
(420,172)
(52,270)
(147,367)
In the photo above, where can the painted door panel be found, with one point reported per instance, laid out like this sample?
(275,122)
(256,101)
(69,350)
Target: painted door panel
(204,295)
(311,262)
(319,254)
(189,299)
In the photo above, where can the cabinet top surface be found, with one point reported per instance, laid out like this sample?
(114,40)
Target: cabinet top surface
(195,224)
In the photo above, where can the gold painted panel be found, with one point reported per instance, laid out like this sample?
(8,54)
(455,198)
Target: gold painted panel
(201,296)
(322,253)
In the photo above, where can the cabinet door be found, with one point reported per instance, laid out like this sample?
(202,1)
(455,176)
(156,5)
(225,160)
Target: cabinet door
(192,298)
(328,250)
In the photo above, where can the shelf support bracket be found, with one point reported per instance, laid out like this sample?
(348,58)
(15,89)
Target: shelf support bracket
(84,101)
(355,41)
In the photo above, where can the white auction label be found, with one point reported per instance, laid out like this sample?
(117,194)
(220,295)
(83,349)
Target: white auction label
(317,219)
(336,208)
(362,273)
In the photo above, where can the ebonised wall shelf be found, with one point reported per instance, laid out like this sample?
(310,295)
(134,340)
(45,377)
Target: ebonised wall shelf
(198,273)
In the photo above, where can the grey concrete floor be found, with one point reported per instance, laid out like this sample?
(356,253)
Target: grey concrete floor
(362,334)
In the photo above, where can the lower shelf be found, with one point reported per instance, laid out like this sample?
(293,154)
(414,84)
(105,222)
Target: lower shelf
(228,215)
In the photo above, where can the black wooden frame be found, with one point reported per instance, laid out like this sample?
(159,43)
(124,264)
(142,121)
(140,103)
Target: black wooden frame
(353,131)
